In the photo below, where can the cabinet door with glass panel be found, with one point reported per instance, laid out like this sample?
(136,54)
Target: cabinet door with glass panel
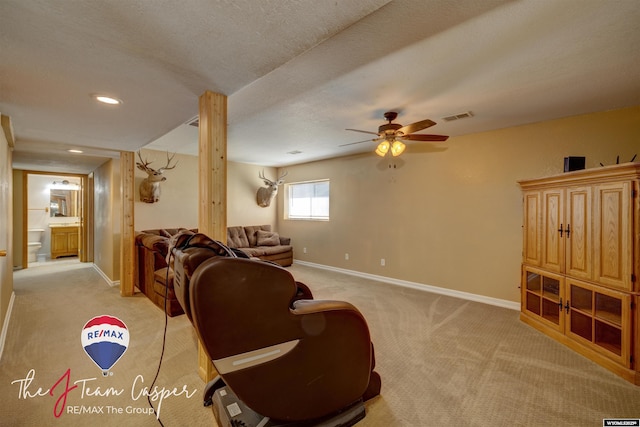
(600,318)
(543,296)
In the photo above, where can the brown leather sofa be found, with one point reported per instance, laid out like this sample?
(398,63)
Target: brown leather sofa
(286,358)
(152,247)
(260,242)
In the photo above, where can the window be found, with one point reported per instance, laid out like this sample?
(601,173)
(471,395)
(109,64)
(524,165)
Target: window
(308,200)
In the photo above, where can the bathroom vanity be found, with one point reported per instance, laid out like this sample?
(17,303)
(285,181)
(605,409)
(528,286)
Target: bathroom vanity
(64,240)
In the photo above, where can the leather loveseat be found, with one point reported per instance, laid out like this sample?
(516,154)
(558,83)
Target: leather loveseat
(152,247)
(258,241)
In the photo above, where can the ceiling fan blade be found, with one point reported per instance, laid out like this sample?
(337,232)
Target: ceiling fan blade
(415,127)
(359,142)
(363,131)
(419,137)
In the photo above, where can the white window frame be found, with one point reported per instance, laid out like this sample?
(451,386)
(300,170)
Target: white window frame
(317,216)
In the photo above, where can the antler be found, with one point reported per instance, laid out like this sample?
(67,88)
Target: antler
(282,176)
(166,167)
(144,165)
(266,180)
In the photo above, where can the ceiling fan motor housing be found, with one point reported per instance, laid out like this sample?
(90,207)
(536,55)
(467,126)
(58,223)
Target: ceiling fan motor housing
(389,129)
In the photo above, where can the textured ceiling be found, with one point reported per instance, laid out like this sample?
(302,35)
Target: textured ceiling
(297,73)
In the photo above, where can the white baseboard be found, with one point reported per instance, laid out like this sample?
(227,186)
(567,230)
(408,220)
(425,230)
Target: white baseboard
(5,325)
(112,283)
(419,286)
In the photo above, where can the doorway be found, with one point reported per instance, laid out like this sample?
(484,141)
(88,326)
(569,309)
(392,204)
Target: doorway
(54,218)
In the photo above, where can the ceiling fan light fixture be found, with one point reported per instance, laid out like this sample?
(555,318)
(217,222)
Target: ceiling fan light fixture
(390,135)
(383,148)
(397,148)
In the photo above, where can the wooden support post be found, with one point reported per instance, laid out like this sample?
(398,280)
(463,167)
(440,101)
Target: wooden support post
(212,185)
(127,244)
(212,167)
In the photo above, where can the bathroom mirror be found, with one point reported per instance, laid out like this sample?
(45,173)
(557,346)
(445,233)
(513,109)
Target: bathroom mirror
(63,203)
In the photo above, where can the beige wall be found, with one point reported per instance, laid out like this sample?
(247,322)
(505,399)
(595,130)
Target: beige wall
(178,205)
(107,214)
(452,217)
(242,184)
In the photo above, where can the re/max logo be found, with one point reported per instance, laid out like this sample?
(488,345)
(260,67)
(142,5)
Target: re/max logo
(621,422)
(103,333)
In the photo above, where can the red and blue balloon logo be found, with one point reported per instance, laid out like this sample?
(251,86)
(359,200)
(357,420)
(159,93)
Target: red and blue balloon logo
(105,339)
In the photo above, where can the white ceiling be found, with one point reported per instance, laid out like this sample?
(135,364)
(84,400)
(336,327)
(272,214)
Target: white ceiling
(298,73)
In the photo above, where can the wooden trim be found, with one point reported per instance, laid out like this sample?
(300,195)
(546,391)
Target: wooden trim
(635,187)
(636,352)
(614,173)
(86,204)
(7,127)
(86,234)
(25,219)
(127,234)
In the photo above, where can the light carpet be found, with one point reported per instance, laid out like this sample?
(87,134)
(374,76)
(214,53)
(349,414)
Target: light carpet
(443,360)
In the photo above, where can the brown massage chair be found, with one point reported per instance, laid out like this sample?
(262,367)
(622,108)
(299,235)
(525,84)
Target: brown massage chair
(289,358)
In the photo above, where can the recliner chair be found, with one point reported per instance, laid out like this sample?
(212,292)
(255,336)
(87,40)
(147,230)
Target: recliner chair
(292,360)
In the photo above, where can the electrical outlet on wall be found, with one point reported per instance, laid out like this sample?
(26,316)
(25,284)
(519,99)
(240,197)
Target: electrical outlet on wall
(304,250)
(382,262)
(346,256)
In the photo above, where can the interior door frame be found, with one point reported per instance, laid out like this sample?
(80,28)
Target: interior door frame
(86,206)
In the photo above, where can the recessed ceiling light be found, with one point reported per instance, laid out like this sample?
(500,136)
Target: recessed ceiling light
(107,100)
(75,151)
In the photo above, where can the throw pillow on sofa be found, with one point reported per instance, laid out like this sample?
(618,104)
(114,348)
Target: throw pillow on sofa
(268,238)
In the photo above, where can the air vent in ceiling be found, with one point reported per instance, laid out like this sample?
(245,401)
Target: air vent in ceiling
(294,152)
(464,115)
(194,122)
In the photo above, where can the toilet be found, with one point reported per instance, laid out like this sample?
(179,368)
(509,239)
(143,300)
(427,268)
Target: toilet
(34,242)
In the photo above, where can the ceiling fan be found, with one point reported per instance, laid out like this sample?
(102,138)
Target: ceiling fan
(390,135)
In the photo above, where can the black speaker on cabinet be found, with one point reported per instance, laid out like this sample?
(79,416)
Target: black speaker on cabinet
(573,163)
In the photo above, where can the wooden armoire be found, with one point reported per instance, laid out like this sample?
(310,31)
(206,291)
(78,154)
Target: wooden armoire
(581,262)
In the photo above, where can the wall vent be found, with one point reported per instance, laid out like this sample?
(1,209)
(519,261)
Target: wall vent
(464,115)
(194,122)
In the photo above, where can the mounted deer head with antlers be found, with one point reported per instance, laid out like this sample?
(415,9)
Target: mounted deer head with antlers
(150,187)
(266,194)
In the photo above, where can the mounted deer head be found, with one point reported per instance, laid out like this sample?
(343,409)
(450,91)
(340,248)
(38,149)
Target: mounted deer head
(266,194)
(150,187)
